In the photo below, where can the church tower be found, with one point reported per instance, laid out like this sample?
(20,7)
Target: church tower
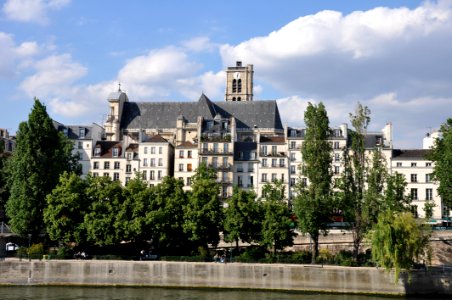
(239,83)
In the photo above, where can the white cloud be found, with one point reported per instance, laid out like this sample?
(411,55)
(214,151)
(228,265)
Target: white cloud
(34,11)
(13,56)
(199,44)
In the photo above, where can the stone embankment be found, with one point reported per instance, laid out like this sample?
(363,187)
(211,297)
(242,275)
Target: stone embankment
(216,275)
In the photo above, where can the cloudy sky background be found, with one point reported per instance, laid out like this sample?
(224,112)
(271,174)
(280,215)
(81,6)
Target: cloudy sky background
(393,56)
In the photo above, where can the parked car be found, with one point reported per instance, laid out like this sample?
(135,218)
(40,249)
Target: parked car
(11,247)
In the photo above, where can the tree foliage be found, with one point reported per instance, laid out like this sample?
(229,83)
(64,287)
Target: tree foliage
(4,193)
(65,209)
(276,224)
(398,241)
(441,154)
(41,155)
(313,204)
(203,213)
(242,217)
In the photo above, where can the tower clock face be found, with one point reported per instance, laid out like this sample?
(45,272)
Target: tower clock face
(236,75)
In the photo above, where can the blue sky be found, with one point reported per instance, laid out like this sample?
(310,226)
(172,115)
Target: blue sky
(393,56)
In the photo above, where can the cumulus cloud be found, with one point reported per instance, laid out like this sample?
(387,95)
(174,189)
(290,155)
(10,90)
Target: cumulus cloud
(34,11)
(13,55)
(362,56)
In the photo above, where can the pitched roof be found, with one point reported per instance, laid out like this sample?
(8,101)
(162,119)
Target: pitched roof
(410,153)
(187,145)
(272,139)
(141,115)
(154,139)
(107,148)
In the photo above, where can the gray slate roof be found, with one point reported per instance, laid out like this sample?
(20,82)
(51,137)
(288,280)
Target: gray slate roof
(141,115)
(410,153)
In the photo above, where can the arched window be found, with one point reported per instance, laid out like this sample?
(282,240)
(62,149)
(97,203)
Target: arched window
(239,99)
(233,98)
(239,86)
(234,85)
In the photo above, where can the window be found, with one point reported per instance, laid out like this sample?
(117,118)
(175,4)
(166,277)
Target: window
(129,156)
(428,177)
(234,85)
(292,181)
(204,160)
(205,147)
(282,163)
(225,148)
(115,152)
(253,155)
(292,169)
(81,133)
(239,86)
(292,156)
(264,162)
(115,176)
(250,167)
(304,182)
(128,168)
(97,151)
(145,175)
(215,147)
(106,165)
(106,174)
(428,194)
(188,181)
(239,167)
(80,145)
(145,150)
(336,170)
(225,125)
(274,177)
(413,164)
(293,133)
(209,124)
(215,162)
(251,180)
(336,145)
(274,150)
(264,150)
(225,162)
(152,150)
(160,162)
(337,157)
(274,161)
(428,164)
(152,175)
(127,179)
(152,162)
(239,181)
(413,194)
(282,177)
(117,165)
(189,154)
(181,167)
(292,145)
(264,177)
(181,153)
(160,150)
(413,177)
(145,162)
(399,164)
(96,165)
(95,174)
(240,154)
(189,168)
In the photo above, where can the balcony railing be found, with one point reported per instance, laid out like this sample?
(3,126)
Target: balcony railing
(273,154)
(215,152)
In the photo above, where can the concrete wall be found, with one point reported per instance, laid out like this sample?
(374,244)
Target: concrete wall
(215,275)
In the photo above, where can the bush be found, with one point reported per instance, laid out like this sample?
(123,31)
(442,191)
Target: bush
(325,257)
(345,258)
(252,254)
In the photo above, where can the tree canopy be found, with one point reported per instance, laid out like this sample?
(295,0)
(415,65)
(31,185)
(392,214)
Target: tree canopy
(41,155)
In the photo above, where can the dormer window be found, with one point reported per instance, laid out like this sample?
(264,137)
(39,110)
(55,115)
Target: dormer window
(81,133)
(97,151)
(65,131)
(115,152)
(209,124)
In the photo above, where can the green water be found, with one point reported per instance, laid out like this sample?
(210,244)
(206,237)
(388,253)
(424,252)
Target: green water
(112,293)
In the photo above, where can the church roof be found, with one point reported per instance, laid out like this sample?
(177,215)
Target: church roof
(141,115)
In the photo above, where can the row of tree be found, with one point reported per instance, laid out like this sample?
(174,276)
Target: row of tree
(99,211)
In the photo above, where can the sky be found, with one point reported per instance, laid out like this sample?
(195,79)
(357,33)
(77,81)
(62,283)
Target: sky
(393,56)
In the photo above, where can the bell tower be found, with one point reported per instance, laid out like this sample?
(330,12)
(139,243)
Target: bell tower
(239,83)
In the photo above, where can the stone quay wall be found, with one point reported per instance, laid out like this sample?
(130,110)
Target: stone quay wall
(216,275)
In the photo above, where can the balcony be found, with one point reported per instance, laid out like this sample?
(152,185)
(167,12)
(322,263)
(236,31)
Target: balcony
(273,154)
(204,151)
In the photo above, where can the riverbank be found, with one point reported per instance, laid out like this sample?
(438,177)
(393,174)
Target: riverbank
(331,279)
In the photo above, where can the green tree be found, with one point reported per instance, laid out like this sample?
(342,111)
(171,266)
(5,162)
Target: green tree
(105,197)
(395,199)
(130,221)
(65,209)
(277,232)
(313,203)
(42,154)
(441,154)
(203,212)
(165,217)
(242,217)
(4,193)
(398,241)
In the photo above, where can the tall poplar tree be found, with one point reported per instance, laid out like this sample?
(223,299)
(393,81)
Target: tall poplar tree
(442,156)
(41,155)
(313,204)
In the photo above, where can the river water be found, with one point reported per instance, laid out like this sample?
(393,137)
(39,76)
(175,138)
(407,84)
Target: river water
(123,293)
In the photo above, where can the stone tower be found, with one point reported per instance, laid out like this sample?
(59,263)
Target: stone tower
(239,83)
